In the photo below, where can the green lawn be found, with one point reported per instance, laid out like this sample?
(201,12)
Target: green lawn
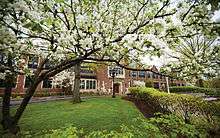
(92,114)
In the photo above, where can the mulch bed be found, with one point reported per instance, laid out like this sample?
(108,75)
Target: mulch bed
(144,108)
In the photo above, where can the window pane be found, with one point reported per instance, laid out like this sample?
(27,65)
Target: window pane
(134,74)
(142,74)
(90,84)
(117,70)
(94,85)
(82,84)
(87,84)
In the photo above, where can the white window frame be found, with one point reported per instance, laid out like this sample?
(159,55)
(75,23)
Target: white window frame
(117,76)
(86,84)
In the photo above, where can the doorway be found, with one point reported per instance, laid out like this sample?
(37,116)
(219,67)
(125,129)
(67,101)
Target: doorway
(116,87)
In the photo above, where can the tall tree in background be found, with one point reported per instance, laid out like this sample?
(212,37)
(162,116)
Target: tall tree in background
(196,58)
(70,32)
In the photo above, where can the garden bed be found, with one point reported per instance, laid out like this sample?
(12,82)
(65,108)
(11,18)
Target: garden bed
(143,107)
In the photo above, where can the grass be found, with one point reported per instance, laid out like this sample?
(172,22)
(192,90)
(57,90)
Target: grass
(92,114)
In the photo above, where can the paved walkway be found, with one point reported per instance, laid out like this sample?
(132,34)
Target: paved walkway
(44,99)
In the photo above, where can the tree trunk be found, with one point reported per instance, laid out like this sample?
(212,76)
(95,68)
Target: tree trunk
(29,93)
(11,123)
(76,90)
(7,120)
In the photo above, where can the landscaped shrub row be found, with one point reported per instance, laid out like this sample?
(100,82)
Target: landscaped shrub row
(193,89)
(187,106)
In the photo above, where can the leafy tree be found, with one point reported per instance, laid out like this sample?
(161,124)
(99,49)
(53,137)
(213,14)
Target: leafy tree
(195,59)
(70,32)
(212,83)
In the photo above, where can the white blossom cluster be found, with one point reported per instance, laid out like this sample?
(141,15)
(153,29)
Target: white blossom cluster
(68,76)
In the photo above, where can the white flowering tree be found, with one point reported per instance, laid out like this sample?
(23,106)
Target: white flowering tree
(68,32)
(195,58)
(64,79)
(70,81)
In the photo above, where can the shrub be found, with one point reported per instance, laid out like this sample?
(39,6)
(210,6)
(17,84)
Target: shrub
(181,104)
(149,83)
(162,126)
(192,89)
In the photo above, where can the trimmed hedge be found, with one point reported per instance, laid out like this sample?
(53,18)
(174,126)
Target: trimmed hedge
(193,89)
(184,105)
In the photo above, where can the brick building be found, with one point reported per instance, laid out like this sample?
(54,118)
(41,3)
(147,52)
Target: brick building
(93,80)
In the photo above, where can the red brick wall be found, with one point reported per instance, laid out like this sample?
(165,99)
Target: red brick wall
(19,89)
(102,77)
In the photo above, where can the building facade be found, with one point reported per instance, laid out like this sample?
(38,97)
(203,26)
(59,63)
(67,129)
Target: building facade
(97,80)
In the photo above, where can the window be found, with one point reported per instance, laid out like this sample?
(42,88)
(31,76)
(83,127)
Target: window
(154,76)
(133,73)
(32,62)
(148,74)
(94,85)
(142,74)
(82,84)
(47,83)
(27,81)
(118,70)
(88,84)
